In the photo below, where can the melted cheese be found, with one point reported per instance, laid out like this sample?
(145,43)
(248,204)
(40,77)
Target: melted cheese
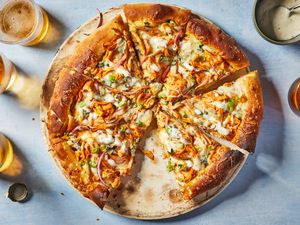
(111,162)
(221,105)
(108,98)
(145,117)
(105,138)
(155,68)
(121,70)
(157,43)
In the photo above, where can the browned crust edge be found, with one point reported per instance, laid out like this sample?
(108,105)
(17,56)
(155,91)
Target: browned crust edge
(72,77)
(248,130)
(156,13)
(215,173)
(70,81)
(211,35)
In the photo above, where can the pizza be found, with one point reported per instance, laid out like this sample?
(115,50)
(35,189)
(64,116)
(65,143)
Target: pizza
(227,112)
(197,161)
(153,63)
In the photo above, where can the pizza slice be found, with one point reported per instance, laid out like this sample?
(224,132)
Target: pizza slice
(198,162)
(156,30)
(103,132)
(206,55)
(99,110)
(233,111)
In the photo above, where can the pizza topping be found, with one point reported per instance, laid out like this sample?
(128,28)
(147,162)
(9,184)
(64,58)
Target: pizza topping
(170,166)
(105,138)
(99,170)
(115,106)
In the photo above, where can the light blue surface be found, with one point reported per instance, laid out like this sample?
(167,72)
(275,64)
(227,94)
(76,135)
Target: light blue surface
(267,190)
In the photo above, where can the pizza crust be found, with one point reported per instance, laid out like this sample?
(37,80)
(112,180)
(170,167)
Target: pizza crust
(87,54)
(215,173)
(247,132)
(71,79)
(156,13)
(211,35)
(75,74)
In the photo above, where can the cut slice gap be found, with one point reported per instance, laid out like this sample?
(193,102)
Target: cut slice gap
(206,55)
(86,118)
(227,144)
(213,86)
(198,161)
(227,112)
(156,30)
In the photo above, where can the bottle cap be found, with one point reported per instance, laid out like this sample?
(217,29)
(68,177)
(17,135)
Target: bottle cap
(18,192)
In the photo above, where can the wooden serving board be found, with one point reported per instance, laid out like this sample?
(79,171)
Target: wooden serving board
(150,192)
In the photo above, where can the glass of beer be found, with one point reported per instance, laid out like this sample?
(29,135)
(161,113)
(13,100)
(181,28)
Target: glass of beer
(6,153)
(8,73)
(22,22)
(294,97)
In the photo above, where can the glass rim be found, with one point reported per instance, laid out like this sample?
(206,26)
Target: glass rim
(37,27)
(8,67)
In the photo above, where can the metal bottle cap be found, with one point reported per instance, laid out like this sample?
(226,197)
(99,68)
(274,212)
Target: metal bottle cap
(18,192)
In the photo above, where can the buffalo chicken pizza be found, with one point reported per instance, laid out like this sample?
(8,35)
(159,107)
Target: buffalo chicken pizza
(162,64)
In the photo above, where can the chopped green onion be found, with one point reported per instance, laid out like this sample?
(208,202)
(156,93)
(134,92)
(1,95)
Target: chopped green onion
(95,150)
(184,115)
(164,59)
(161,95)
(180,166)
(140,123)
(110,150)
(230,105)
(170,167)
(112,78)
(192,81)
(211,147)
(101,64)
(102,92)
(82,104)
(239,114)
(139,105)
(203,160)
(172,22)
(92,164)
(180,179)
(103,148)
(168,130)
(122,103)
(171,151)
(201,47)
(199,149)
(123,128)
(82,163)
(85,113)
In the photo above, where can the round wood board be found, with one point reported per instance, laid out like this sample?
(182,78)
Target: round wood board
(150,192)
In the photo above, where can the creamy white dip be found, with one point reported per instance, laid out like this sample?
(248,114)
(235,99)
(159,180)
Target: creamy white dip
(275,21)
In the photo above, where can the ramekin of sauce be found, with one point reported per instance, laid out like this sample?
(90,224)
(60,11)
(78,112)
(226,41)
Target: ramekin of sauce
(275,23)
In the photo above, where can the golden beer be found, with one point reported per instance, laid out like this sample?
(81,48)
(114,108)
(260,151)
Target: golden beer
(294,97)
(8,73)
(6,153)
(22,22)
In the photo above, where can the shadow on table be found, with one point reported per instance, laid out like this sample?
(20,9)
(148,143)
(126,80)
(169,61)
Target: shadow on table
(26,90)
(21,171)
(54,35)
(269,146)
